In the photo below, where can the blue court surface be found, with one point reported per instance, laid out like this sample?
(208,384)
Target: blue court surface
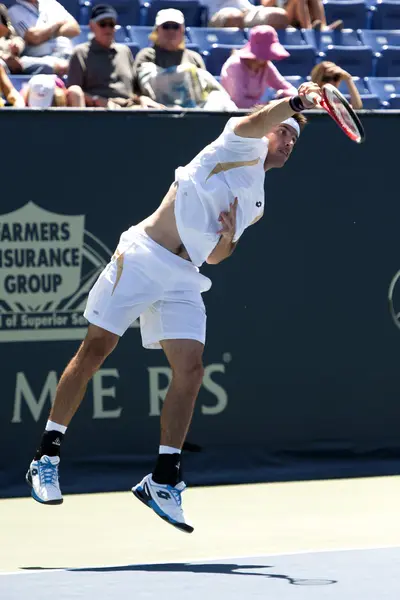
(335,575)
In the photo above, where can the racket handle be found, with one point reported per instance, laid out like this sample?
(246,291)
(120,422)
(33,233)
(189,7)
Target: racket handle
(313,97)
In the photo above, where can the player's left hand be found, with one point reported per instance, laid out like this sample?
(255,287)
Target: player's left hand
(228,221)
(309,88)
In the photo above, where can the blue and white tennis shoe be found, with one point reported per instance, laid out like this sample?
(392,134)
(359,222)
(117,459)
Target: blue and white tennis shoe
(165,500)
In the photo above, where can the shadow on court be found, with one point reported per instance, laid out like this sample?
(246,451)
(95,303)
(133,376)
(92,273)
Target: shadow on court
(201,568)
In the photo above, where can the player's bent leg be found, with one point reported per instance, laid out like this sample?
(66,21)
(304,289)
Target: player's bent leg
(162,489)
(42,475)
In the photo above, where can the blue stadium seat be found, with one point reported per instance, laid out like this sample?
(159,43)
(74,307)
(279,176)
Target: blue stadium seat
(394,102)
(133,47)
(269,94)
(370,100)
(216,56)
(322,39)
(387,89)
(354,59)
(195,13)
(205,37)
(378,39)
(128,11)
(140,35)
(291,37)
(19,80)
(352,12)
(388,63)
(85,35)
(72,6)
(300,62)
(386,15)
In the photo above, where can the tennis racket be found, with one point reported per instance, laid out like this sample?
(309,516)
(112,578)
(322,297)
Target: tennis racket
(340,110)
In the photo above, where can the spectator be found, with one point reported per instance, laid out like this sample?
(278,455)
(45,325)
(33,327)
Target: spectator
(104,69)
(173,75)
(44,91)
(242,14)
(46,30)
(249,71)
(328,72)
(8,94)
(305,14)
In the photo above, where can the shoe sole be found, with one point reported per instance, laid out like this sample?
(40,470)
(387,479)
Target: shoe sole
(28,480)
(138,493)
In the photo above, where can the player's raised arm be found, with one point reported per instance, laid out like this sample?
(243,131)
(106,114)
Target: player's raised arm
(261,122)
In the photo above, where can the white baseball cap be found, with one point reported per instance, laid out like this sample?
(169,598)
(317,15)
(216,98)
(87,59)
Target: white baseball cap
(41,91)
(169,15)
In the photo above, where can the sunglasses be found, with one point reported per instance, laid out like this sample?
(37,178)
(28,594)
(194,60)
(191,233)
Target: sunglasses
(104,24)
(174,26)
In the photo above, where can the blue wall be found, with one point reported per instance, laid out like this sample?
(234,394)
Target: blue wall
(302,360)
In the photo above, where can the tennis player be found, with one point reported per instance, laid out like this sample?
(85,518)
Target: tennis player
(154,275)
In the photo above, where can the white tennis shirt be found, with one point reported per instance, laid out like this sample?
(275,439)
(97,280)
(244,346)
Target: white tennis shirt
(230,167)
(24,15)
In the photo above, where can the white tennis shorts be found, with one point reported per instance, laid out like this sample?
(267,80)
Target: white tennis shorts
(145,280)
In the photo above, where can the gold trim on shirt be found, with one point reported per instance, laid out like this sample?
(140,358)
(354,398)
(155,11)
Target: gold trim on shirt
(120,267)
(227,166)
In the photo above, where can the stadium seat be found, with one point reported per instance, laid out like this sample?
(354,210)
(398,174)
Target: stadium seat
(300,62)
(140,36)
(134,48)
(73,7)
(378,39)
(269,93)
(370,100)
(394,102)
(387,89)
(216,56)
(388,63)
(323,39)
(195,13)
(19,80)
(352,12)
(291,37)
(386,15)
(205,37)
(354,59)
(85,35)
(129,11)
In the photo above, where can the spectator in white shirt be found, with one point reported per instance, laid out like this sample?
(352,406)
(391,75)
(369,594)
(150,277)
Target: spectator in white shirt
(46,28)
(242,13)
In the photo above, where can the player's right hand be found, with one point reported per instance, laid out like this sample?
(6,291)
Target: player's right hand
(305,90)
(228,221)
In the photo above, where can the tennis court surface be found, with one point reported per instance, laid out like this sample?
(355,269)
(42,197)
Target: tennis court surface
(327,539)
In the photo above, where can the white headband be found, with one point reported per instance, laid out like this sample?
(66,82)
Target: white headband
(293,123)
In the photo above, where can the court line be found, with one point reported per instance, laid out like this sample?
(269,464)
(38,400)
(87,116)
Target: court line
(201,560)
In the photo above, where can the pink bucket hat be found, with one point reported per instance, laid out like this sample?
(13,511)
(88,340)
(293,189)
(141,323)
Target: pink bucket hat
(263,45)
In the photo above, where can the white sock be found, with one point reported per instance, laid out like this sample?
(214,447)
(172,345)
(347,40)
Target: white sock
(51,426)
(168,450)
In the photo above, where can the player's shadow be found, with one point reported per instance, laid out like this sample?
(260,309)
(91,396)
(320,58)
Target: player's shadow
(208,568)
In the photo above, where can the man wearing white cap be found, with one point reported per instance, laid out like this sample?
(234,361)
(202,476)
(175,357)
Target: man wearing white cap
(154,274)
(174,75)
(168,37)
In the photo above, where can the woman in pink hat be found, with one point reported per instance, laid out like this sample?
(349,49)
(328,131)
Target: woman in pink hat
(249,71)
